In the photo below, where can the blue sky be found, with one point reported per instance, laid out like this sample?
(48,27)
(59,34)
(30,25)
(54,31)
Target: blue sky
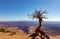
(15,10)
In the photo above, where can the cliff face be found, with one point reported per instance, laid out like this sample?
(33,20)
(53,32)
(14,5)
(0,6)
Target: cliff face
(20,34)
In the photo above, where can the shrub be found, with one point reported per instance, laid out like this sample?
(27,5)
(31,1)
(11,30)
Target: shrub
(2,29)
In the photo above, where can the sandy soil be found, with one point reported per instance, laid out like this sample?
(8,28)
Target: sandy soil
(21,35)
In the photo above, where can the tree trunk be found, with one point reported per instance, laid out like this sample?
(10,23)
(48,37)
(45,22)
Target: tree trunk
(40,21)
(38,28)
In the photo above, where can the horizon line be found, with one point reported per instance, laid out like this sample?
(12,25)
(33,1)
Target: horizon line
(28,20)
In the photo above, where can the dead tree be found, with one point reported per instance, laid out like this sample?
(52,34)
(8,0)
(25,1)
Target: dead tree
(38,15)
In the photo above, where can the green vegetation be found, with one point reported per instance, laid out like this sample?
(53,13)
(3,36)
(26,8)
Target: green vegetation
(7,30)
(2,29)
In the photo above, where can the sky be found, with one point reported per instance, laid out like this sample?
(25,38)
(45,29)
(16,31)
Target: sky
(18,10)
